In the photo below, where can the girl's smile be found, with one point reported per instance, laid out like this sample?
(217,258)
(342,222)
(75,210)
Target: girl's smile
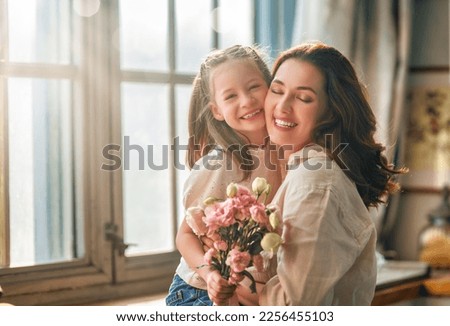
(239,91)
(252,114)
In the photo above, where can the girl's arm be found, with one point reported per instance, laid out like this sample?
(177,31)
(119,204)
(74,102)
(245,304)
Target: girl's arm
(191,248)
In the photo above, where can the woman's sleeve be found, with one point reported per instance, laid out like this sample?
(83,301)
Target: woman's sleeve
(317,250)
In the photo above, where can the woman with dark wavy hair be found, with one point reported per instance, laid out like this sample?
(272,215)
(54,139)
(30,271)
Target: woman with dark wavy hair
(317,110)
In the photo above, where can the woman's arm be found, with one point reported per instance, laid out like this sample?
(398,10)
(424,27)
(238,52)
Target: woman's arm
(246,297)
(219,291)
(310,257)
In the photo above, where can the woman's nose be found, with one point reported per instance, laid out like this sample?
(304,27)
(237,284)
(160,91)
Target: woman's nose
(284,105)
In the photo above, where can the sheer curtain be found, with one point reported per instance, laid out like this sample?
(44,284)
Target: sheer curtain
(375,36)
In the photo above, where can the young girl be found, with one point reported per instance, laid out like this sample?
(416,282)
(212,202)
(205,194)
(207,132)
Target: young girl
(227,144)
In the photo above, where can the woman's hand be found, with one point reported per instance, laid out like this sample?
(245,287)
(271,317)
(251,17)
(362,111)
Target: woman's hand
(219,290)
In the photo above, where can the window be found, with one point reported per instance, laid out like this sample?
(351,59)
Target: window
(40,216)
(84,85)
(151,79)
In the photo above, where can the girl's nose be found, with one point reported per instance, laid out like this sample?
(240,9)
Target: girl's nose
(248,100)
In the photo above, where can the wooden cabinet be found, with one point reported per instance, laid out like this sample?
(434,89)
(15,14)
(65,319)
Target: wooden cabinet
(412,283)
(393,294)
(400,280)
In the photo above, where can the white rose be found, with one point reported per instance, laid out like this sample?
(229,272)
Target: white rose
(259,186)
(271,241)
(232,190)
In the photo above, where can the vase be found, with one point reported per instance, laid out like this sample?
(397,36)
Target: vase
(434,239)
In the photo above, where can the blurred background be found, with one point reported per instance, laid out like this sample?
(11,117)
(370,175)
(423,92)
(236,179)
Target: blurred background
(93,126)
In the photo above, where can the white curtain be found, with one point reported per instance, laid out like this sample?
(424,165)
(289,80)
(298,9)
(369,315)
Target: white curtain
(375,36)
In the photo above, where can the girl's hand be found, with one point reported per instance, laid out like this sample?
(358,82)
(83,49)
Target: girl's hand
(219,290)
(206,242)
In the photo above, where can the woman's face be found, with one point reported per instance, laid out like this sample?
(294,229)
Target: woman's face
(293,103)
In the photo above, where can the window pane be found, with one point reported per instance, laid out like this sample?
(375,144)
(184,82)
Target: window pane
(40,166)
(146,180)
(143,34)
(193,28)
(40,31)
(183,93)
(235,22)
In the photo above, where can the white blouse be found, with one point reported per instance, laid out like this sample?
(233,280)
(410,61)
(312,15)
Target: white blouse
(328,254)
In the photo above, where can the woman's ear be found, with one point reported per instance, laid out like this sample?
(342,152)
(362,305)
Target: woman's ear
(216,112)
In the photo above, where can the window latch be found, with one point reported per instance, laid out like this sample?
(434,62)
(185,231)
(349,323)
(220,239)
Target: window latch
(116,240)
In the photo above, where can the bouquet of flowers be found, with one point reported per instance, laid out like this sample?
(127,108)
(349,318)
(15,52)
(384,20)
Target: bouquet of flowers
(243,229)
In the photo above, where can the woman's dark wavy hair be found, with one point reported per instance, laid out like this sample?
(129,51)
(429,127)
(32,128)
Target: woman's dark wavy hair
(347,119)
(205,132)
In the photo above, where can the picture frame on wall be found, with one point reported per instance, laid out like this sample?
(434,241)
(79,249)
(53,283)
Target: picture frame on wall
(427,145)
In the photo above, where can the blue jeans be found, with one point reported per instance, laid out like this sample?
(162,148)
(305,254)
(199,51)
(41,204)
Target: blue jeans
(182,294)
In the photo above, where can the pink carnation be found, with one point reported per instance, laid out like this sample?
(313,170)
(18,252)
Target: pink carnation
(232,224)
(219,215)
(243,191)
(242,202)
(258,214)
(220,245)
(238,260)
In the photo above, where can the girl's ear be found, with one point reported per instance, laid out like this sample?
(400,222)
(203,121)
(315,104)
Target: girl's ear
(216,112)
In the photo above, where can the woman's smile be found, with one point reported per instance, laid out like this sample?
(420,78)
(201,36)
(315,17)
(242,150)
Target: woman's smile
(284,123)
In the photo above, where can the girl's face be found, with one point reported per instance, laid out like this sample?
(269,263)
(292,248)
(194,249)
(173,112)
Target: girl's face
(239,91)
(296,97)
